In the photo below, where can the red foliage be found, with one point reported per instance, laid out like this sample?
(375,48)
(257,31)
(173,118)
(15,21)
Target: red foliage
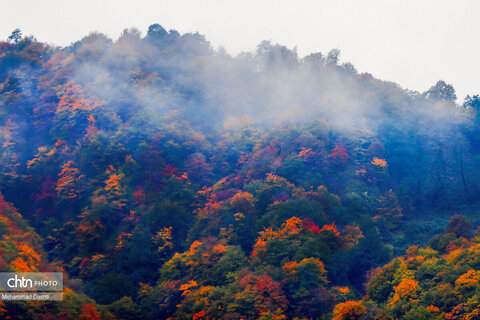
(89,312)
(199,315)
(139,196)
(310,225)
(339,155)
(268,294)
(44,200)
(172,171)
(85,266)
(4,46)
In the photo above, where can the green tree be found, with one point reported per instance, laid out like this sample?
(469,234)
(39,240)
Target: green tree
(16,36)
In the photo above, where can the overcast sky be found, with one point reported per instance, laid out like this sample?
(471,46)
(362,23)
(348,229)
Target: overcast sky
(414,43)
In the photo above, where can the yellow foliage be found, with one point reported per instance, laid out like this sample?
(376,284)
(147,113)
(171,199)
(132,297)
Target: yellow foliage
(164,239)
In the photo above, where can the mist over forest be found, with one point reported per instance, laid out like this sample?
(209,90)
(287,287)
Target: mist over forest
(170,180)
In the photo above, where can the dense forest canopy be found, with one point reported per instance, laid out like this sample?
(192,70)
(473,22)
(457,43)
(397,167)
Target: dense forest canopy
(171,180)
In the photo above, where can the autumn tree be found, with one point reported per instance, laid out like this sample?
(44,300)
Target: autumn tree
(70,185)
(349,310)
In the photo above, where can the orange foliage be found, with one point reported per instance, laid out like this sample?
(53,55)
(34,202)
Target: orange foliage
(343,290)
(122,239)
(20,265)
(289,268)
(407,291)
(361,172)
(469,279)
(292,226)
(332,228)
(381,163)
(304,153)
(412,251)
(349,310)
(69,181)
(219,249)
(209,210)
(29,255)
(19,245)
(193,248)
(185,288)
(72,98)
(342,293)
(112,182)
(261,244)
(351,236)
(433,309)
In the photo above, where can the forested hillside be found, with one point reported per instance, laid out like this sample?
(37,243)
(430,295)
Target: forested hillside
(437,282)
(168,179)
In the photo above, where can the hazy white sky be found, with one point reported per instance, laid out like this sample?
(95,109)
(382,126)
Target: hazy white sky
(414,43)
